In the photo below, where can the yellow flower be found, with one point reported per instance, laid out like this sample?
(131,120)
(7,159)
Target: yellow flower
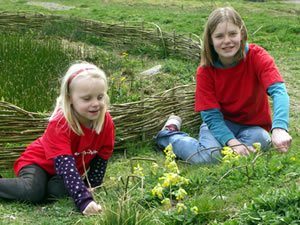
(124,54)
(257,146)
(166,202)
(293,158)
(224,152)
(184,180)
(123,78)
(180,194)
(154,167)
(169,152)
(180,207)
(172,166)
(194,210)
(158,190)
(166,184)
(172,178)
(138,171)
(229,154)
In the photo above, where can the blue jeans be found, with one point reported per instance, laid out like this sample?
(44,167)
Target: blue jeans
(206,149)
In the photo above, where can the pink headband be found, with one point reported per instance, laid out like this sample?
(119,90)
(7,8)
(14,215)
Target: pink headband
(78,72)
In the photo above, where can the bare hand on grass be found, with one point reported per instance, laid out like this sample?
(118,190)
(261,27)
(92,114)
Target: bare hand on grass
(92,209)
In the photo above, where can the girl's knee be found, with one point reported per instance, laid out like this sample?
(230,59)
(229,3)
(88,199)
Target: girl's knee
(262,136)
(33,195)
(254,135)
(34,190)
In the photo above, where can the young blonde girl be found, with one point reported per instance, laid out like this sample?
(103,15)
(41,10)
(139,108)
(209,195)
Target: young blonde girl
(233,84)
(80,135)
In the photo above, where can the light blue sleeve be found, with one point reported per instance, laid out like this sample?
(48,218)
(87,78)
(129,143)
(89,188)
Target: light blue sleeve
(281,100)
(216,124)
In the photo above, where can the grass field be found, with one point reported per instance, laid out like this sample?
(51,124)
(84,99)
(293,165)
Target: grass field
(264,190)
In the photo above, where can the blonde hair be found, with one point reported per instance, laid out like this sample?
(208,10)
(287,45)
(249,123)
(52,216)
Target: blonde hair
(228,14)
(63,103)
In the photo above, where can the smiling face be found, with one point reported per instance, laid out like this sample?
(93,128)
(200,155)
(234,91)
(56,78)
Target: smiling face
(87,99)
(226,40)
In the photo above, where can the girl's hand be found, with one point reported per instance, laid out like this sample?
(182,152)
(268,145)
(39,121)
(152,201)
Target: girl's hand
(281,140)
(241,149)
(92,209)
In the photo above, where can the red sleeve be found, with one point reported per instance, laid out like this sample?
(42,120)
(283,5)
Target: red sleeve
(57,139)
(108,132)
(205,96)
(266,68)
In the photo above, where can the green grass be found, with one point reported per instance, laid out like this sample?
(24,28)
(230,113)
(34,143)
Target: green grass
(271,197)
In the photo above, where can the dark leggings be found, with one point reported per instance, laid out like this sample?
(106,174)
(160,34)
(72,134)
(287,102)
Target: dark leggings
(33,184)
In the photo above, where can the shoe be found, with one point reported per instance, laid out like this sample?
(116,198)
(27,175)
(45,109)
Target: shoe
(173,123)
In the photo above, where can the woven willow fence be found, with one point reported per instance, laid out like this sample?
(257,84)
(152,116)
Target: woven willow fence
(127,33)
(134,121)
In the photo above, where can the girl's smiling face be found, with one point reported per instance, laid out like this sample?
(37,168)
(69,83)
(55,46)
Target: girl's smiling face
(226,40)
(87,99)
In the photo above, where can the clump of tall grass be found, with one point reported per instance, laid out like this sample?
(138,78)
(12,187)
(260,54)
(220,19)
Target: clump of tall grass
(30,69)
(126,212)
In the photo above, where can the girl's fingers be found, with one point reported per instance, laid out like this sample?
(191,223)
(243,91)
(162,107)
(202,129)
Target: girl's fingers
(92,209)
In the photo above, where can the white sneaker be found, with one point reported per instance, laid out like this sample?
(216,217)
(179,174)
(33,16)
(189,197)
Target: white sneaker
(173,123)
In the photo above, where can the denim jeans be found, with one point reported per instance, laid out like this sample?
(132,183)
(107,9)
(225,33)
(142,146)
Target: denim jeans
(206,148)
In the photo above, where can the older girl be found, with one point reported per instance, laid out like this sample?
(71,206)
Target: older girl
(234,81)
(80,135)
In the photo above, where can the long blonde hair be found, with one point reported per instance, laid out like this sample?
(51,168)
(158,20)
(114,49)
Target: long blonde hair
(208,54)
(63,103)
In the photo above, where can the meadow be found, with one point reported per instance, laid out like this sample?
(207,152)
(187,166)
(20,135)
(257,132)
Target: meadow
(260,189)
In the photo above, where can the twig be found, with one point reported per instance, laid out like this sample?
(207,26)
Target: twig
(127,182)
(257,30)
(87,177)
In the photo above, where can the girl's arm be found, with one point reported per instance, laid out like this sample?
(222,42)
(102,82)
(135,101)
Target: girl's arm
(96,171)
(278,93)
(216,124)
(280,138)
(65,167)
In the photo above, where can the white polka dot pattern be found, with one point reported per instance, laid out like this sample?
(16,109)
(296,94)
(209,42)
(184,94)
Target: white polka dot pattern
(65,167)
(97,171)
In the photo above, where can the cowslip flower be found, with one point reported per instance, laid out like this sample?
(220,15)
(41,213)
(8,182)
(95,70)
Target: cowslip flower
(138,170)
(172,166)
(195,210)
(184,180)
(180,207)
(229,154)
(180,193)
(154,168)
(157,190)
(257,146)
(171,178)
(166,202)
(169,153)
(175,178)
(166,180)
(124,54)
